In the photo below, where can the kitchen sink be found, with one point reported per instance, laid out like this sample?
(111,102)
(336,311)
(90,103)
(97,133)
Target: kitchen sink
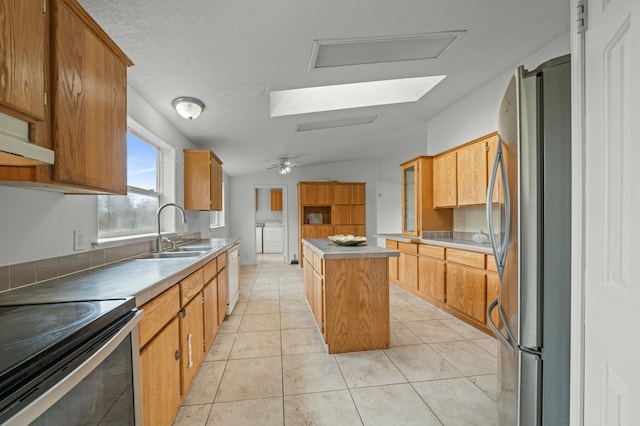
(190,249)
(172,254)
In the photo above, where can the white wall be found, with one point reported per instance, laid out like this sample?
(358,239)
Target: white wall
(39,224)
(389,204)
(264,212)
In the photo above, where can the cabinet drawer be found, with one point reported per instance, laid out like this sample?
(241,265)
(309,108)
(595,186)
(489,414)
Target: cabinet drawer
(390,244)
(222,261)
(190,286)
(491,263)
(318,264)
(409,248)
(158,312)
(431,251)
(464,257)
(210,270)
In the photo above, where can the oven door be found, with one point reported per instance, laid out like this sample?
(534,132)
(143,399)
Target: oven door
(101,385)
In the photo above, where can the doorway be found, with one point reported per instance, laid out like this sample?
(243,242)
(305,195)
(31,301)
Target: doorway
(271,222)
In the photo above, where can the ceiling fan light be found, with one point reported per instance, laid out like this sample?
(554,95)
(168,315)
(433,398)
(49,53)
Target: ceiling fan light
(284,170)
(189,108)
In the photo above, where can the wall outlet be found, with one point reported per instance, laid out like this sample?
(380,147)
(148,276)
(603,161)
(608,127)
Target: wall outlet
(78,240)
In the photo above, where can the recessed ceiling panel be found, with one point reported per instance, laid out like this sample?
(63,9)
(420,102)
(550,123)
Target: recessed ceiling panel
(352,121)
(341,52)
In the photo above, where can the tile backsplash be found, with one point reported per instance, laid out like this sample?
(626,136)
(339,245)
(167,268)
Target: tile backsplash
(25,273)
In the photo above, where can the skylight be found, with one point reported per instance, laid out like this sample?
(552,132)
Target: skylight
(355,95)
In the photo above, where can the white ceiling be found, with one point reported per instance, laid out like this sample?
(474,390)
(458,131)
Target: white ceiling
(232,53)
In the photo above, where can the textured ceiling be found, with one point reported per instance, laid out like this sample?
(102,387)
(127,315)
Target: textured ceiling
(232,53)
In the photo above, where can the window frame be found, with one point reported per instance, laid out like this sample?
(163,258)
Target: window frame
(217,217)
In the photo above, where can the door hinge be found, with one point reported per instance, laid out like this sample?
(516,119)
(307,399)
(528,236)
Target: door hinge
(581,16)
(177,354)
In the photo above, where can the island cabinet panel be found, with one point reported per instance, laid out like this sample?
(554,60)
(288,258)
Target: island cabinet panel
(393,261)
(356,294)
(191,342)
(318,301)
(309,282)
(160,376)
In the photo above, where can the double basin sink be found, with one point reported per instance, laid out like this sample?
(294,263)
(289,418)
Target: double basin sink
(178,252)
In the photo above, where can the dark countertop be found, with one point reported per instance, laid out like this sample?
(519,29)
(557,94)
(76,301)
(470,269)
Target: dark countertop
(143,279)
(443,242)
(327,249)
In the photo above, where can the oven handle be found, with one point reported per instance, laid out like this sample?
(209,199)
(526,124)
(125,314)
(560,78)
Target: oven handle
(32,411)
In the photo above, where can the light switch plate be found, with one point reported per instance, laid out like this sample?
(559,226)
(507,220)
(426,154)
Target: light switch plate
(78,240)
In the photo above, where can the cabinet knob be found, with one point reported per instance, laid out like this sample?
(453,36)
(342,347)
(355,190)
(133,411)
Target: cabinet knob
(177,354)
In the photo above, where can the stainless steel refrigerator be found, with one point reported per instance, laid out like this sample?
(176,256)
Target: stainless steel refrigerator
(530,226)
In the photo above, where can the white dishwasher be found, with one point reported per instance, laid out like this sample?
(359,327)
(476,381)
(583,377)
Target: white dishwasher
(233,272)
(272,237)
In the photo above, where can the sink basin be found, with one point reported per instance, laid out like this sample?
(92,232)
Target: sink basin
(190,249)
(172,254)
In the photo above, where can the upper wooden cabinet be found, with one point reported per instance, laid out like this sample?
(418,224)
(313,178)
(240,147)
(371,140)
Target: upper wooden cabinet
(276,200)
(24,44)
(83,117)
(461,175)
(445,190)
(327,208)
(418,214)
(202,180)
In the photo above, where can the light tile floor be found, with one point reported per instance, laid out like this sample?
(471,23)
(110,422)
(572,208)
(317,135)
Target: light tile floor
(268,365)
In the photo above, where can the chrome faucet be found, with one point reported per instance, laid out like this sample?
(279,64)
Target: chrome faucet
(159,236)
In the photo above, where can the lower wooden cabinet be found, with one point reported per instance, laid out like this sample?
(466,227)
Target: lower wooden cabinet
(318,300)
(408,270)
(222,295)
(493,288)
(191,341)
(431,278)
(160,376)
(467,290)
(210,311)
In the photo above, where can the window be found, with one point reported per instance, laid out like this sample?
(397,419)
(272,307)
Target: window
(134,213)
(217,217)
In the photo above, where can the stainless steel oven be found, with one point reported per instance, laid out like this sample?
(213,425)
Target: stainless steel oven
(71,363)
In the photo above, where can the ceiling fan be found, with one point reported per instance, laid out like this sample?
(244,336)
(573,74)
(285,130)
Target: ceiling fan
(283,165)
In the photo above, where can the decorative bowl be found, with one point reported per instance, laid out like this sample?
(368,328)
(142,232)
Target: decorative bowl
(347,240)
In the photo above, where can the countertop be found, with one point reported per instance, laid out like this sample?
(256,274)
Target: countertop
(327,249)
(443,242)
(142,279)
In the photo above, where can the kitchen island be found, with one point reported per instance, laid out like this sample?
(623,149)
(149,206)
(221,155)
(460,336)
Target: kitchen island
(347,288)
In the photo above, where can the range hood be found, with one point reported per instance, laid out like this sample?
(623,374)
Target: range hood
(15,147)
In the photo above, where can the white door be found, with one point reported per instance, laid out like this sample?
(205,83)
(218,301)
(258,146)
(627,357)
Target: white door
(611,214)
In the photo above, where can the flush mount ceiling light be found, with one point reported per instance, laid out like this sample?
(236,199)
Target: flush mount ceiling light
(354,95)
(189,108)
(372,50)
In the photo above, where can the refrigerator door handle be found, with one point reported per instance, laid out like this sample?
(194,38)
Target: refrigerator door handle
(501,337)
(500,254)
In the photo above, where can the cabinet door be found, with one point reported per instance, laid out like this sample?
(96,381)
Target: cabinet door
(408,270)
(318,300)
(323,231)
(466,290)
(160,376)
(309,231)
(431,273)
(393,261)
(444,180)
(342,229)
(307,193)
(276,199)
(342,193)
(222,295)
(210,312)
(191,342)
(24,58)
(325,194)
(358,193)
(341,214)
(410,198)
(358,214)
(472,174)
(89,102)
(358,230)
